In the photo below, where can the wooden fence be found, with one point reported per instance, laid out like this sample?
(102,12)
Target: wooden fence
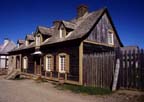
(131,74)
(98,69)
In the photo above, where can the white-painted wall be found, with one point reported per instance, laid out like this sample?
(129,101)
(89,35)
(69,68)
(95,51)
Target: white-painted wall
(3,61)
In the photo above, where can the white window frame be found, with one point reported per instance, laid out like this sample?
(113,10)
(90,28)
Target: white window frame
(61,31)
(62,63)
(25,62)
(26,42)
(110,38)
(48,63)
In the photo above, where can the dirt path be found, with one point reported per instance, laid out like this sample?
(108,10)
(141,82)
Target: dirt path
(30,91)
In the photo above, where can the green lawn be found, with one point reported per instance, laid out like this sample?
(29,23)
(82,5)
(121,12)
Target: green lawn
(84,89)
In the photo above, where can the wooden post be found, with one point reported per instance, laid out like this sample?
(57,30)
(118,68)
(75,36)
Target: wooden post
(116,74)
(58,75)
(117,69)
(35,67)
(45,74)
(81,64)
(51,75)
(65,76)
(40,68)
(20,62)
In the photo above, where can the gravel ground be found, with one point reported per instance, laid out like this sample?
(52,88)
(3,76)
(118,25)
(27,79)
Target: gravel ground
(30,91)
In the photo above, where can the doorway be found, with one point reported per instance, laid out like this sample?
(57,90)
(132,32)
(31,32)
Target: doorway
(38,65)
(17,62)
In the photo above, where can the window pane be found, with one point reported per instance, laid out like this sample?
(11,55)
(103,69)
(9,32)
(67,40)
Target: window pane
(110,38)
(62,63)
(48,63)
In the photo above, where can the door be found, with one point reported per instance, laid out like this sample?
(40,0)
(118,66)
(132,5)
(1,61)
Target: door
(38,66)
(17,62)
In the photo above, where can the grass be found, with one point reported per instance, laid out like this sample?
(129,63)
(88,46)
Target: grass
(20,78)
(84,89)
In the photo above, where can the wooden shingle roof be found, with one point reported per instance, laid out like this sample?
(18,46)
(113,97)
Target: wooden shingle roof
(6,47)
(44,30)
(30,37)
(80,28)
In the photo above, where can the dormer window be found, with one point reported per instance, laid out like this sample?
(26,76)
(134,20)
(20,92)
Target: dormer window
(38,40)
(20,42)
(27,43)
(110,38)
(62,32)
(29,39)
(18,45)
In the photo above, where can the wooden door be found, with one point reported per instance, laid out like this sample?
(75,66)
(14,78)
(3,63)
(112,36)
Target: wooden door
(38,66)
(17,62)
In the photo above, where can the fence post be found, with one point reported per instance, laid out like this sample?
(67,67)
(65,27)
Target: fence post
(115,81)
(116,72)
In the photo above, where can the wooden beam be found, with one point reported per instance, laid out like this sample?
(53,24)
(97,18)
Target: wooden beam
(40,68)
(72,82)
(20,61)
(35,67)
(81,64)
(92,42)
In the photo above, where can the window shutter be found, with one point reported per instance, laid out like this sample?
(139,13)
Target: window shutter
(57,63)
(44,63)
(52,63)
(27,63)
(67,63)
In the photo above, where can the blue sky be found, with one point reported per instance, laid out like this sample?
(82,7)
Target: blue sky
(21,17)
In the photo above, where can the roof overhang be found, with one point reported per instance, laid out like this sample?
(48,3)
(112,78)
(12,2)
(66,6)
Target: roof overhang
(37,53)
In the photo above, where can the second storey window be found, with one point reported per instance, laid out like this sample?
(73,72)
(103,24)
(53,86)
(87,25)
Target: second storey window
(110,38)
(26,42)
(38,40)
(62,62)
(62,32)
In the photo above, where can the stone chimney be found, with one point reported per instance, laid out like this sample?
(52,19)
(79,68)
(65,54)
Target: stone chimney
(56,24)
(81,10)
(6,40)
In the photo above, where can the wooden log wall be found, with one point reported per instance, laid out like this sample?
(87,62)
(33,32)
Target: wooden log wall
(101,30)
(98,69)
(72,50)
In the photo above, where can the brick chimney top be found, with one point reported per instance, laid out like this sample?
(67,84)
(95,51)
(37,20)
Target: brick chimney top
(81,10)
(56,23)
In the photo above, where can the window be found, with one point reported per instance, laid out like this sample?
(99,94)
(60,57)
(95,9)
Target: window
(48,63)
(38,40)
(62,32)
(27,42)
(25,62)
(62,62)
(110,38)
